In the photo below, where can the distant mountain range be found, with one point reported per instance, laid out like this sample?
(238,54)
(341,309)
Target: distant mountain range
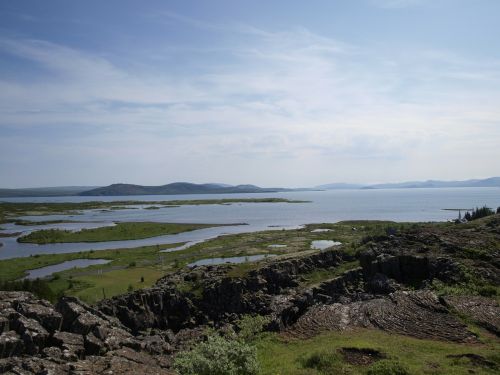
(487,182)
(177,188)
(189,188)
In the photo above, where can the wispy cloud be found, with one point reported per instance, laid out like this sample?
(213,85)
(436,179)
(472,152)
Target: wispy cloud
(282,98)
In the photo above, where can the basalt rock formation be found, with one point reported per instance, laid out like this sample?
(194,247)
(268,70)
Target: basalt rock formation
(71,337)
(392,290)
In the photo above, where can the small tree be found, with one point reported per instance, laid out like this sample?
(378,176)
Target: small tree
(480,212)
(250,326)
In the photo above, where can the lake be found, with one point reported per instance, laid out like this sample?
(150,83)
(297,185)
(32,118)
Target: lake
(410,205)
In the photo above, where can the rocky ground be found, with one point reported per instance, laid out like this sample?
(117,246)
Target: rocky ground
(425,281)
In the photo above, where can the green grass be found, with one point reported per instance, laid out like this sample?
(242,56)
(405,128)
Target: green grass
(149,258)
(278,356)
(321,274)
(119,232)
(92,288)
(15,268)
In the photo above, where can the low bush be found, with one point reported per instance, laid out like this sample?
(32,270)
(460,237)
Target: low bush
(218,356)
(250,326)
(38,287)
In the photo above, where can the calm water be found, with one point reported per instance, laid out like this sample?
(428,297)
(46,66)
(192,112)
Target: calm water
(49,270)
(326,206)
(234,260)
(324,244)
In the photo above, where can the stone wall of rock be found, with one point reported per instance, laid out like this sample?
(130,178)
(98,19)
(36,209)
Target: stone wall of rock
(222,299)
(71,337)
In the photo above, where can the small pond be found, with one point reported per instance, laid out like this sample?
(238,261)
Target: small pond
(277,246)
(320,230)
(242,259)
(49,270)
(324,244)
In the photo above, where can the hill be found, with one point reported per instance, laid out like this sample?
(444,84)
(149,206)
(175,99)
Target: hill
(176,188)
(487,182)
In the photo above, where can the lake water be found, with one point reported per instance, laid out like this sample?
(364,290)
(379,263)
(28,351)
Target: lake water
(325,207)
(324,244)
(233,260)
(49,270)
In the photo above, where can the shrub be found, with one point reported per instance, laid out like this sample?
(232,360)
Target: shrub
(249,326)
(39,287)
(132,264)
(387,367)
(479,212)
(218,356)
(487,291)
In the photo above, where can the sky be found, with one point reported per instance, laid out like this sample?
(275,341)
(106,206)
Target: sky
(274,93)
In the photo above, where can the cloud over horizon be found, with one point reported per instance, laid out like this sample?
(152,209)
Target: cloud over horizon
(235,102)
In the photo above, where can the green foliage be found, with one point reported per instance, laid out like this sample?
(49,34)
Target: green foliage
(218,356)
(478,213)
(121,231)
(388,367)
(250,326)
(38,287)
(324,362)
(488,291)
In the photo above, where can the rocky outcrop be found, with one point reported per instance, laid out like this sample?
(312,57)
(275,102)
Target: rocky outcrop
(483,311)
(71,337)
(410,269)
(417,314)
(139,331)
(221,299)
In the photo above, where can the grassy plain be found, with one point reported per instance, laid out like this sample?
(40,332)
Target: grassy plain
(282,356)
(119,232)
(128,265)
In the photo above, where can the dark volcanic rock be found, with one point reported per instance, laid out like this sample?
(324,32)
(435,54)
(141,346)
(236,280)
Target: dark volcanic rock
(418,314)
(38,338)
(484,311)
(142,330)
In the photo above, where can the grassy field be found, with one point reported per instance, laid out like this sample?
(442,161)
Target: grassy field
(12,269)
(94,287)
(119,232)
(128,265)
(323,354)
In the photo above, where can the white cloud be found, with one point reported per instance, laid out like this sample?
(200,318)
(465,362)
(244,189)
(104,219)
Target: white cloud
(282,101)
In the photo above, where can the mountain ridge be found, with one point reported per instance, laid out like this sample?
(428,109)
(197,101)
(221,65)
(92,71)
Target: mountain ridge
(486,182)
(176,188)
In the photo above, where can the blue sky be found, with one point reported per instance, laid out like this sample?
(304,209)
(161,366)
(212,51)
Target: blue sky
(282,93)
